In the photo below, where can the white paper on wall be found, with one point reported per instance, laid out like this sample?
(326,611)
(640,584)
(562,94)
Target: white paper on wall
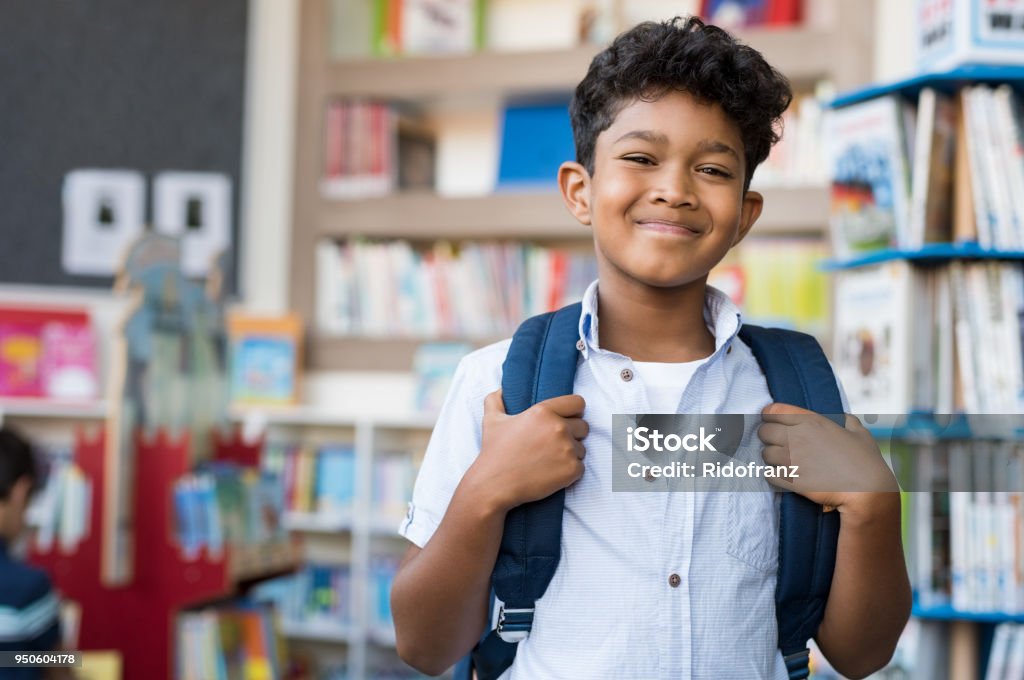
(104,211)
(195,206)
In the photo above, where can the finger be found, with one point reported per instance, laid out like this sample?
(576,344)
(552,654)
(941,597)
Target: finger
(567,406)
(773,433)
(578,428)
(580,469)
(854,425)
(776,455)
(786,414)
(493,403)
(784,483)
(580,450)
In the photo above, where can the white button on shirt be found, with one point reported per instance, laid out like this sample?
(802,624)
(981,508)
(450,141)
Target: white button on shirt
(649,585)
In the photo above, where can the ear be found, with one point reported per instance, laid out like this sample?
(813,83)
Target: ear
(21,490)
(749,212)
(574,183)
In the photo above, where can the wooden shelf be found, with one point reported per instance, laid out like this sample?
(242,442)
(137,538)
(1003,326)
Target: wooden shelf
(251,562)
(804,55)
(429,216)
(348,353)
(49,408)
(537,215)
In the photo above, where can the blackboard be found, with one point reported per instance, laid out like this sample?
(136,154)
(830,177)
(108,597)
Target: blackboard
(148,85)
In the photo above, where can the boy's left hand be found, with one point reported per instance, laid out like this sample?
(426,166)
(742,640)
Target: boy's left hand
(835,464)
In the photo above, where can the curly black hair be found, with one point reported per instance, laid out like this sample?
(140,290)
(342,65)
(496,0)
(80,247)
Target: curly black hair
(687,55)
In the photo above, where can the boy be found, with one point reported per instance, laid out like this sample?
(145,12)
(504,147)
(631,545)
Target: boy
(29,608)
(670,123)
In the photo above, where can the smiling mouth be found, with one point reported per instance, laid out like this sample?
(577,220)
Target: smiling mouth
(667,227)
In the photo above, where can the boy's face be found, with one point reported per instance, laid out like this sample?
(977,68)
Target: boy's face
(666,200)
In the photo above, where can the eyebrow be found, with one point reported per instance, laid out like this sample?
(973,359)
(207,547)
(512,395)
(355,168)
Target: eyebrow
(645,135)
(716,146)
(704,146)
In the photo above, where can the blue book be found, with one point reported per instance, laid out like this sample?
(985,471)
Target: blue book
(535,140)
(335,478)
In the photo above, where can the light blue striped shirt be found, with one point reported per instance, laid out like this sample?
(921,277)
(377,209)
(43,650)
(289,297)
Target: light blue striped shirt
(611,610)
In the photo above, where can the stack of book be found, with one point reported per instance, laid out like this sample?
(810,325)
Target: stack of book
(317,596)
(224,504)
(943,168)
(314,480)
(964,548)
(371,150)
(1006,658)
(943,339)
(478,290)
(234,641)
(796,160)
(60,511)
(777,282)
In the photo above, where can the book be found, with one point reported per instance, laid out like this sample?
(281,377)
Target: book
(736,13)
(265,359)
(335,479)
(978,171)
(440,26)
(930,200)
(867,163)
(470,290)
(47,353)
(427,26)
(777,282)
(351,29)
(535,140)
(873,337)
(965,226)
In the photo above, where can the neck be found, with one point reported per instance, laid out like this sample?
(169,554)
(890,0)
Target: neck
(654,324)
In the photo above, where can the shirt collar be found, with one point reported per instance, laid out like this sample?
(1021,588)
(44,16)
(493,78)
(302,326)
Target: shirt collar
(721,315)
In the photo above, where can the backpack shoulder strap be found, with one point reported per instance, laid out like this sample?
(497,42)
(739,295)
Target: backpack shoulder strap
(798,373)
(540,364)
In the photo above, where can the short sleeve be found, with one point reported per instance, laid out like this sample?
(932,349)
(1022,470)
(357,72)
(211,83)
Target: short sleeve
(454,443)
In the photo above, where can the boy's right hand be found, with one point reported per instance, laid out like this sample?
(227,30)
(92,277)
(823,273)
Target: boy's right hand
(531,455)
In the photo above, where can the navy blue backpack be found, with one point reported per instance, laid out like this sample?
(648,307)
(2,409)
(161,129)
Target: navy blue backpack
(541,364)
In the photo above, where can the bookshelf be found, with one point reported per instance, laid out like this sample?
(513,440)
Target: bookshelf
(355,536)
(46,409)
(443,84)
(932,253)
(962,594)
(165,582)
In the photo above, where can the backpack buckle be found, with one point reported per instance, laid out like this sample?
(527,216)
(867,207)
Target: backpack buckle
(797,664)
(514,625)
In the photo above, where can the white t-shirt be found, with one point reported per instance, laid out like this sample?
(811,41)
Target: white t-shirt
(665,382)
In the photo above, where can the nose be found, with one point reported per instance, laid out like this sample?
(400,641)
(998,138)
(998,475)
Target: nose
(674,187)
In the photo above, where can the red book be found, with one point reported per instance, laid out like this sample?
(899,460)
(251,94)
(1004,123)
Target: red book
(784,12)
(559,261)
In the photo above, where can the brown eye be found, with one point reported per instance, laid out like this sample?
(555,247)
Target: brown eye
(715,172)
